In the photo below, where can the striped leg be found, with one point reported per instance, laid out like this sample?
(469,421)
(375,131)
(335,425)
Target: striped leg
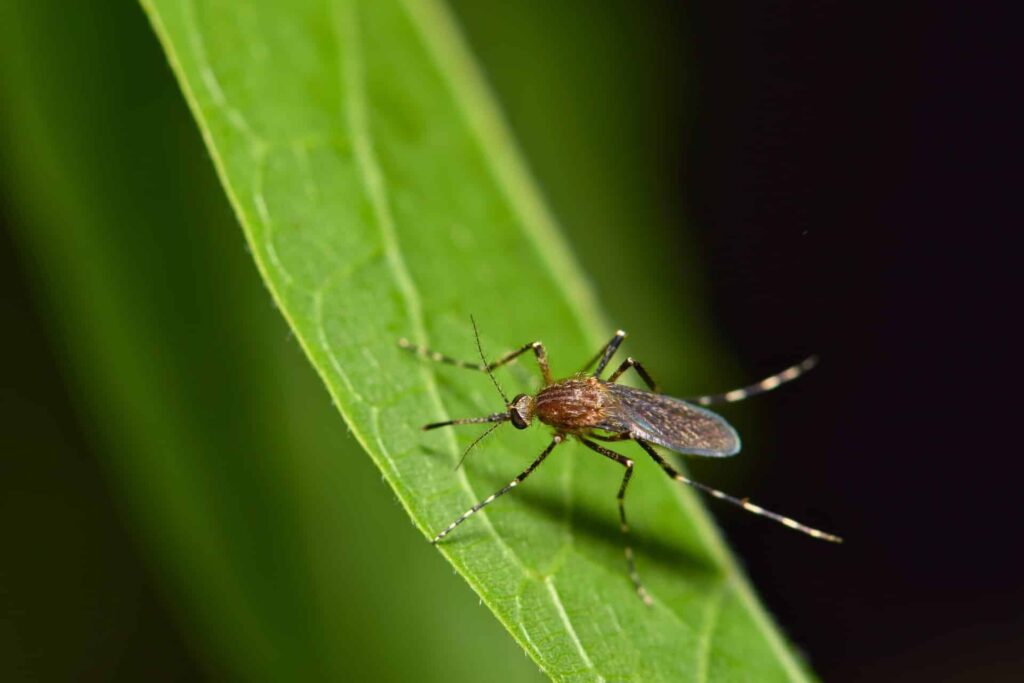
(767,384)
(511,485)
(623,524)
(605,354)
(635,364)
(536,347)
(741,502)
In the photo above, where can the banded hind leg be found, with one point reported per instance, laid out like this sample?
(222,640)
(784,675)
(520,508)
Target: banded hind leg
(767,384)
(623,524)
(740,502)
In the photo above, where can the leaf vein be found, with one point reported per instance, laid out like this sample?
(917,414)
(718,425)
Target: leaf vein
(259,170)
(373,179)
(209,78)
(711,613)
(549,583)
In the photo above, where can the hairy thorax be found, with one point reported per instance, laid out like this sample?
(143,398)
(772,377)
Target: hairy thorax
(574,404)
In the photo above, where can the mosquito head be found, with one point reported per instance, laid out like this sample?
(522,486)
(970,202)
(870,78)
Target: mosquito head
(520,411)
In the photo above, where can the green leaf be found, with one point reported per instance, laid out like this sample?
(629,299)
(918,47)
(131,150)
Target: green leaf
(382,197)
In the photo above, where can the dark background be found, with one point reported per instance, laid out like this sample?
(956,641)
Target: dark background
(849,172)
(842,176)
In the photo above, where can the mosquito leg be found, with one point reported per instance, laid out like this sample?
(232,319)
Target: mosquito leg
(536,347)
(623,524)
(741,502)
(511,485)
(767,384)
(635,364)
(605,354)
(624,436)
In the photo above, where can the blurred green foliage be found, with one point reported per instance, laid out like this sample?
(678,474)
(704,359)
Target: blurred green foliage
(273,540)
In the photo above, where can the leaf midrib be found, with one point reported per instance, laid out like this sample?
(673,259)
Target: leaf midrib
(350,53)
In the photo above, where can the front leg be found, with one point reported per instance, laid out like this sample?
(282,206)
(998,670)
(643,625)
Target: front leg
(494,496)
(623,524)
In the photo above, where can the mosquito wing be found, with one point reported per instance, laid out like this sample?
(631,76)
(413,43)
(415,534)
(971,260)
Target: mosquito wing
(669,422)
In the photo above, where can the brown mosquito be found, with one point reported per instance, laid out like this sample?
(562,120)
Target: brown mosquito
(591,409)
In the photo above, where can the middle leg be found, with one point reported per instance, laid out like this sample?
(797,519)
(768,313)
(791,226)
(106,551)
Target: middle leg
(624,525)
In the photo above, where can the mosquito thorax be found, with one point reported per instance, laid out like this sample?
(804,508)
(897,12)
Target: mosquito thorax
(520,411)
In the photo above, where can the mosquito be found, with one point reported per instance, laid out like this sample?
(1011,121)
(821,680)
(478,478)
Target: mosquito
(591,409)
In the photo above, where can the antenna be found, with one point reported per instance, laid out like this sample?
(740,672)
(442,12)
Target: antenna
(487,366)
(475,442)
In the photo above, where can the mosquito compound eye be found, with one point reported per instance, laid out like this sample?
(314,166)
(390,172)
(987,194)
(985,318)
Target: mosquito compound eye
(520,411)
(518,421)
